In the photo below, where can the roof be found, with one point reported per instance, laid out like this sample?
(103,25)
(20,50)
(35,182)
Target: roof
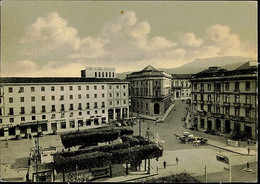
(56,79)
(148,69)
(182,76)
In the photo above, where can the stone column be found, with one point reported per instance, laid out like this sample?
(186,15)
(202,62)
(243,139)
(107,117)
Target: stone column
(17,130)
(114,111)
(213,124)
(127,111)
(121,113)
(6,132)
(222,125)
(206,122)
(199,121)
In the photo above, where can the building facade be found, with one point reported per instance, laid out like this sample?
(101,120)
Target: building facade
(181,86)
(61,104)
(226,101)
(98,72)
(150,92)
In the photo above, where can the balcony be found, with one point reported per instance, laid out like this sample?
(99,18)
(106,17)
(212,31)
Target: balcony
(246,105)
(236,118)
(32,112)
(71,109)
(226,103)
(236,104)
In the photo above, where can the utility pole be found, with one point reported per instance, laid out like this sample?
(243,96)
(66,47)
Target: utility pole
(37,151)
(148,133)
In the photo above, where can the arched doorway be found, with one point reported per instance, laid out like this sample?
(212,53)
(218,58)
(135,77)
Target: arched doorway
(156,108)
(177,94)
(218,124)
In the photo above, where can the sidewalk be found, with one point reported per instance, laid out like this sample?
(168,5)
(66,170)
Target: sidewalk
(238,150)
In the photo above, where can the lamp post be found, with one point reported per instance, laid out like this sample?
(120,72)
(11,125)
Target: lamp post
(148,134)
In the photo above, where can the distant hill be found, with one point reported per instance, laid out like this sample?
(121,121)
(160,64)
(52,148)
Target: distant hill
(200,64)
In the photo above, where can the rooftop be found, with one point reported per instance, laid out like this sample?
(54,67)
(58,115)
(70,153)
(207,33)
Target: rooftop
(182,76)
(56,80)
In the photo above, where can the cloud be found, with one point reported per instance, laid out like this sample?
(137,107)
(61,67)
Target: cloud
(123,43)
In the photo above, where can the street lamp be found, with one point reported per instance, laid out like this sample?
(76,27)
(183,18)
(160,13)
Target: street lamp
(148,134)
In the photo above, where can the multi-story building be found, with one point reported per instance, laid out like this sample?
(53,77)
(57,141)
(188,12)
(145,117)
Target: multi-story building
(150,92)
(226,101)
(61,104)
(98,72)
(181,86)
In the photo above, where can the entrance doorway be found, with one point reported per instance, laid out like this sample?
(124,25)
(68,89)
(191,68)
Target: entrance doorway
(156,108)
(227,126)
(248,131)
(209,125)
(218,124)
(53,126)
(177,94)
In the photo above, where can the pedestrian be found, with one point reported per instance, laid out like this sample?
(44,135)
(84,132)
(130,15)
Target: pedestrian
(164,164)
(6,142)
(177,160)
(248,150)
(248,141)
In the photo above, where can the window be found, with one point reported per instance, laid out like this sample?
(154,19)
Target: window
(88,122)
(110,86)
(71,106)
(236,98)
(209,98)
(87,95)
(71,88)
(62,88)
(53,108)
(117,94)
(79,88)
(33,117)
(21,90)
(43,116)
(236,86)
(247,86)
(237,111)
(62,108)
(11,120)
(102,74)
(87,106)
(42,88)
(61,97)
(248,100)
(124,86)
(227,110)
(71,97)
(87,87)
(43,108)
(227,98)
(22,118)
(21,99)
(72,124)
(209,108)
(248,113)
(201,106)
(195,87)
(103,111)
(11,100)
(32,98)
(117,102)
(95,87)
(53,116)
(80,113)
(52,98)
(124,94)
(11,111)
(103,87)
(95,74)
(195,97)
(124,101)
(43,98)
(79,96)
(217,109)
(1,121)
(33,109)
(109,74)
(103,104)
(79,106)
(96,111)
(202,97)
(103,95)
(227,86)
(110,103)
(32,89)
(117,86)
(217,97)
(52,88)
(71,114)
(95,105)
(10,89)
(22,110)
(95,95)
(63,125)
(88,112)
(110,95)
(202,86)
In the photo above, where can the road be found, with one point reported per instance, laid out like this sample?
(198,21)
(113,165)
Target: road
(192,159)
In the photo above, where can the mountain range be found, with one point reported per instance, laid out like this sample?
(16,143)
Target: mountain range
(200,64)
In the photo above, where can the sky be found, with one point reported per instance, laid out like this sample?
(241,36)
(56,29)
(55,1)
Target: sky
(60,38)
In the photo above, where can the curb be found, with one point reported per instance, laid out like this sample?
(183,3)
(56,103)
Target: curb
(229,150)
(140,177)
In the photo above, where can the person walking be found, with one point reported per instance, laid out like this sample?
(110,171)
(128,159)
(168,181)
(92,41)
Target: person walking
(248,150)
(164,165)
(177,160)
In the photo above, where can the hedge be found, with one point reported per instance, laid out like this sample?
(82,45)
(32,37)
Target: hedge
(102,159)
(89,138)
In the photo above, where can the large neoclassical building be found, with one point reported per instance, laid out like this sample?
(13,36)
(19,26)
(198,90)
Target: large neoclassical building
(61,104)
(150,91)
(226,101)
